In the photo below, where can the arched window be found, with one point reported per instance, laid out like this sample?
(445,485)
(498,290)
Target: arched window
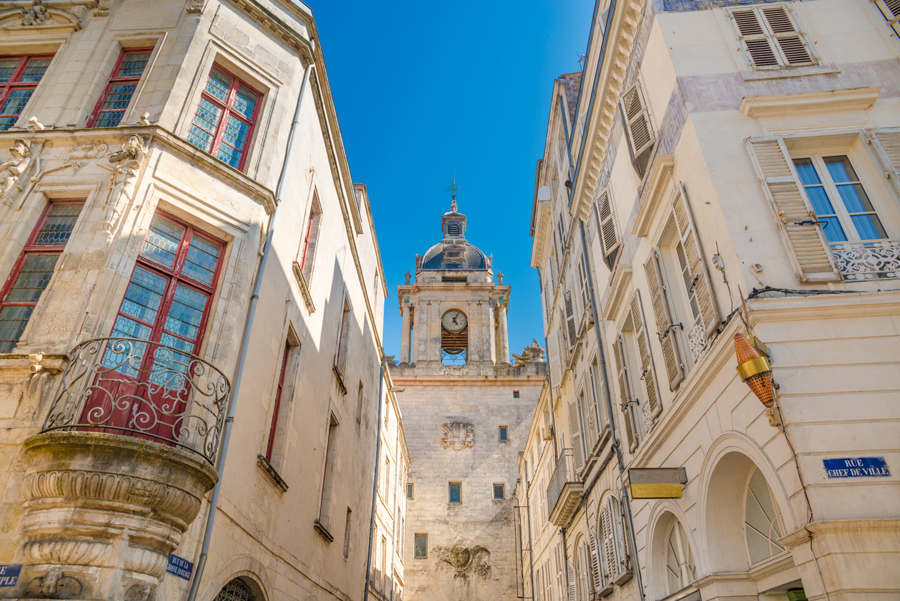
(680,569)
(236,590)
(762,522)
(582,569)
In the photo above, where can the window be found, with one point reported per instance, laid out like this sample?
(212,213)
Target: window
(421,548)
(770,37)
(225,117)
(762,521)
(838,198)
(283,390)
(343,338)
(639,401)
(680,570)
(328,472)
(638,130)
(891,11)
(609,238)
(613,555)
(455,492)
(515,394)
(235,590)
(410,490)
(576,436)
(32,272)
(498,491)
(359,403)
(571,327)
(347,534)
(19,76)
(310,240)
(120,88)
(598,406)
(504,433)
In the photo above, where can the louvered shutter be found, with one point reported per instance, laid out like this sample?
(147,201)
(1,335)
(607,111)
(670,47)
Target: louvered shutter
(609,543)
(583,280)
(573,586)
(659,298)
(624,392)
(608,235)
(637,121)
(618,521)
(697,266)
(591,435)
(787,36)
(770,37)
(576,436)
(583,572)
(554,356)
(648,376)
(891,11)
(808,249)
(596,571)
(887,144)
(571,328)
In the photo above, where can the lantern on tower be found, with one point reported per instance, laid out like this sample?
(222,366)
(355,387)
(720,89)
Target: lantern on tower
(754,370)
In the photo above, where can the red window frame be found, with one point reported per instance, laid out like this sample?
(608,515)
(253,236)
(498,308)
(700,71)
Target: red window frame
(31,249)
(227,111)
(280,390)
(7,88)
(115,79)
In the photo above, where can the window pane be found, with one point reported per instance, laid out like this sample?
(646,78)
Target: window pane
(855,198)
(762,523)
(119,96)
(7,68)
(840,169)
(58,226)
(13,106)
(807,172)
(12,323)
(161,243)
(126,357)
(217,85)
(498,491)
(144,295)
(233,141)
(421,545)
(245,101)
(868,227)
(202,257)
(204,125)
(133,64)
(455,492)
(35,70)
(33,279)
(186,313)
(833,230)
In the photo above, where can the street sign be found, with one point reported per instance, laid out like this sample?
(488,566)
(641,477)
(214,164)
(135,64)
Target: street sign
(9,574)
(856,467)
(179,567)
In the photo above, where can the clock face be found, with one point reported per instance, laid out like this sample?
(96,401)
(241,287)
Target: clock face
(454,321)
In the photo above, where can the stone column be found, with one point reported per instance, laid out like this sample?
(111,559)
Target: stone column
(404,335)
(503,337)
(491,329)
(422,333)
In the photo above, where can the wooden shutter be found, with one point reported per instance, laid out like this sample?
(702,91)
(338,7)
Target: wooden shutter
(624,392)
(648,376)
(787,36)
(696,265)
(887,144)
(659,298)
(608,543)
(891,11)
(770,38)
(637,121)
(573,587)
(795,216)
(571,328)
(618,521)
(591,434)
(576,436)
(584,572)
(596,572)
(583,281)
(608,235)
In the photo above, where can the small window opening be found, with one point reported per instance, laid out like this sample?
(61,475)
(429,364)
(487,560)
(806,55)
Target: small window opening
(410,490)
(515,394)
(499,491)
(504,433)
(456,492)
(421,551)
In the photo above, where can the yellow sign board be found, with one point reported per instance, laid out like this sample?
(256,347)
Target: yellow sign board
(656,483)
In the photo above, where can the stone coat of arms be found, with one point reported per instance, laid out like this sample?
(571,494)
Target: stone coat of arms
(457,435)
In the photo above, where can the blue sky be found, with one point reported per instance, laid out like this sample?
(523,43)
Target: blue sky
(426,88)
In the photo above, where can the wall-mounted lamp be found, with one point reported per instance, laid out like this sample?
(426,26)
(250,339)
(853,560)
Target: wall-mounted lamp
(754,370)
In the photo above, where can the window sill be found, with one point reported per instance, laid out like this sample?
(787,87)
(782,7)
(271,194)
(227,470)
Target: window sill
(271,472)
(322,530)
(623,577)
(785,72)
(304,287)
(606,591)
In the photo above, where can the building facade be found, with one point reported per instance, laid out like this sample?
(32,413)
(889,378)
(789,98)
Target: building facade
(466,410)
(158,160)
(721,172)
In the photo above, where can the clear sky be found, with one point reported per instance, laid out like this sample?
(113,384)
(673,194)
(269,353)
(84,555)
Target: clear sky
(426,88)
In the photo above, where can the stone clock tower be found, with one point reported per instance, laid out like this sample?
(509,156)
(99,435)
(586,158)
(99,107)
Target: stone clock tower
(466,414)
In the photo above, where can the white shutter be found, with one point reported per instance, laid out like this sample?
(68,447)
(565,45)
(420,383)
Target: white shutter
(584,572)
(615,510)
(608,235)
(891,11)
(771,38)
(609,544)
(637,121)
(573,586)
(576,437)
(648,375)
(624,392)
(690,240)
(659,298)
(596,571)
(571,328)
(795,216)
(583,281)
(788,39)
(587,418)
(887,144)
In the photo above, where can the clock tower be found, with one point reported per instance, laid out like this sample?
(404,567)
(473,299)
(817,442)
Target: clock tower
(466,413)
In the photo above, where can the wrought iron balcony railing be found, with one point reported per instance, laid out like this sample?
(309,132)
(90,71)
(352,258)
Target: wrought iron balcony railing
(137,388)
(868,260)
(565,490)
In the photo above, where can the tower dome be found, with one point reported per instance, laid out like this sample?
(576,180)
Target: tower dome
(454,252)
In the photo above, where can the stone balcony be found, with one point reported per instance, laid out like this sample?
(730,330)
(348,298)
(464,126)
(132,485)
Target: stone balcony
(564,491)
(118,471)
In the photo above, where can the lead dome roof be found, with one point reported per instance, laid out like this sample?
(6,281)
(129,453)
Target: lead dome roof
(473,259)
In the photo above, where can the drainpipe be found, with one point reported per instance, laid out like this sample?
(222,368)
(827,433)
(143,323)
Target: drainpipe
(530,541)
(245,342)
(375,484)
(598,325)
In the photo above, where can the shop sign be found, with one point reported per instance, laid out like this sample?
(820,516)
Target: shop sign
(856,467)
(179,566)
(656,483)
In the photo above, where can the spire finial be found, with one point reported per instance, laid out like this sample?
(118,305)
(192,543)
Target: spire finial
(452,190)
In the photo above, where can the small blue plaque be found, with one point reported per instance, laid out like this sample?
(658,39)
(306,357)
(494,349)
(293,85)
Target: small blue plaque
(179,566)
(9,574)
(856,467)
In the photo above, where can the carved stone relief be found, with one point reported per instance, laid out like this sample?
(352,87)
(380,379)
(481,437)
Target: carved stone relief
(457,435)
(128,164)
(463,562)
(12,170)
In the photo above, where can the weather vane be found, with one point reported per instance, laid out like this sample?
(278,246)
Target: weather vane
(452,190)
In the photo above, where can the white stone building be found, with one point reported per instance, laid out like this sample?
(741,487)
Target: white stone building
(169,168)
(466,412)
(733,166)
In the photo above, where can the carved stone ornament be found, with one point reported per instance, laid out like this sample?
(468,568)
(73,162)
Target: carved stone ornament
(36,15)
(102,8)
(195,7)
(13,169)
(465,563)
(531,354)
(128,164)
(457,435)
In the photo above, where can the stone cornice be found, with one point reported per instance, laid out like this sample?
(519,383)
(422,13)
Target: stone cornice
(824,306)
(278,28)
(858,99)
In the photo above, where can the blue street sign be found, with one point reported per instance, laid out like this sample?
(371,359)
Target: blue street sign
(9,574)
(856,467)
(179,567)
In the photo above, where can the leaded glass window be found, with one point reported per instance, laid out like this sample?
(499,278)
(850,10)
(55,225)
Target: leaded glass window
(762,521)
(120,88)
(19,77)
